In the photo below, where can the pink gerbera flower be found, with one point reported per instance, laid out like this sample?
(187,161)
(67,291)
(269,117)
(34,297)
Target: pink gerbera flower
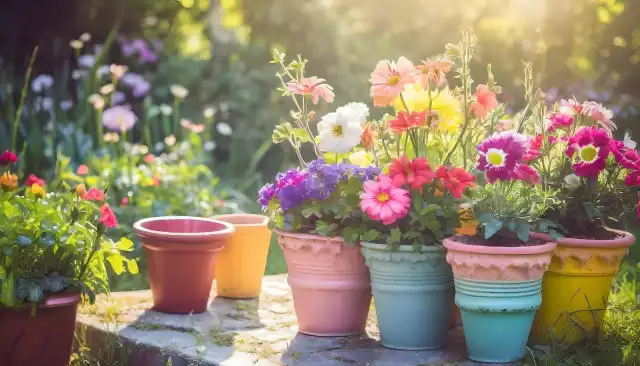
(591,145)
(314,87)
(600,114)
(434,71)
(626,157)
(558,120)
(499,154)
(388,80)
(382,201)
(570,106)
(485,101)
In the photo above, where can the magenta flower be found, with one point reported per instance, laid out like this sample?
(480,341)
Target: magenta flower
(119,118)
(526,174)
(314,87)
(558,120)
(382,201)
(499,155)
(592,146)
(627,158)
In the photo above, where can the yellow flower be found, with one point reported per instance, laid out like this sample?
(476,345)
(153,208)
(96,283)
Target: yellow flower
(8,182)
(360,158)
(37,191)
(443,103)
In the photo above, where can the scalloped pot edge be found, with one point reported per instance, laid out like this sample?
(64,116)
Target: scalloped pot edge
(498,263)
(315,243)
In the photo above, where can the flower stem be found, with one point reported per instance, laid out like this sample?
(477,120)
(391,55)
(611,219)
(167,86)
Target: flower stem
(23,95)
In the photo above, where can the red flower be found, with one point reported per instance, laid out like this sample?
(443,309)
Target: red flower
(82,170)
(8,157)
(405,121)
(149,158)
(33,179)
(124,201)
(107,217)
(94,194)
(415,173)
(368,137)
(455,180)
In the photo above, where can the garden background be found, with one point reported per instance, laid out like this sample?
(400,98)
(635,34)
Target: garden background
(204,93)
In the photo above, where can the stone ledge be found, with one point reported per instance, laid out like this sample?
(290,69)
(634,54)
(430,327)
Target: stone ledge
(237,332)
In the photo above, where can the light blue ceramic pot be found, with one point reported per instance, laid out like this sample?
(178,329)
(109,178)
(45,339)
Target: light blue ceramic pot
(497,317)
(413,295)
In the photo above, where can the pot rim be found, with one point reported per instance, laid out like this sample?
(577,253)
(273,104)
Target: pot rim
(183,237)
(451,244)
(402,248)
(308,236)
(624,242)
(261,220)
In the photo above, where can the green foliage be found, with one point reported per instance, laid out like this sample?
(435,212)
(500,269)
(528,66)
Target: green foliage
(55,244)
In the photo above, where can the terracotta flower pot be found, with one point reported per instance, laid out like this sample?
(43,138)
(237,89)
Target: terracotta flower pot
(43,339)
(243,260)
(181,259)
(329,282)
(576,288)
(498,290)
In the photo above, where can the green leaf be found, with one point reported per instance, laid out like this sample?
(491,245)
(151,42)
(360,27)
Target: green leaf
(432,207)
(350,235)
(396,235)
(125,245)
(281,132)
(133,266)
(8,291)
(116,263)
(522,231)
(491,227)
(301,134)
(370,235)
(592,211)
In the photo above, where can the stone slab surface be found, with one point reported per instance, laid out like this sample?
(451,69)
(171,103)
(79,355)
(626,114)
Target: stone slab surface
(238,332)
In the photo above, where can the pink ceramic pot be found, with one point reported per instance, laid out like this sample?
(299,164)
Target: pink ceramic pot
(329,282)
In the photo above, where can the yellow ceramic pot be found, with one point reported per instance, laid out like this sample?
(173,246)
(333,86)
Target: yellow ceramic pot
(242,262)
(576,287)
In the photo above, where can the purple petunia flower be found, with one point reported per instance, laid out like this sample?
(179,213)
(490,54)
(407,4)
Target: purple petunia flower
(139,86)
(118,97)
(499,155)
(265,194)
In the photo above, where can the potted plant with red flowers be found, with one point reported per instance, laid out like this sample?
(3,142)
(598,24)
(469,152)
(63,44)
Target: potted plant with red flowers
(576,153)
(53,251)
(315,208)
(498,272)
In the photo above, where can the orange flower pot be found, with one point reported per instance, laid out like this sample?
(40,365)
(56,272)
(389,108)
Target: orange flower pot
(242,262)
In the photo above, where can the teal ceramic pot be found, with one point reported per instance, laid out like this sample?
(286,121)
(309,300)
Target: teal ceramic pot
(497,317)
(413,295)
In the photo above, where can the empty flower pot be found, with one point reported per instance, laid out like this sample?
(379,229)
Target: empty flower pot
(40,339)
(413,293)
(243,260)
(329,282)
(181,256)
(498,290)
(576,288)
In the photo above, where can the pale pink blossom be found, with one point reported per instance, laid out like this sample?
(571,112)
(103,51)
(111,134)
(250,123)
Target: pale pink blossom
(434,71)
(388,80)
(485,101)
(600,114)
(313,86)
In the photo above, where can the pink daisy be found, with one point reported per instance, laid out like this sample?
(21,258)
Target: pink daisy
(388,80)
(527,174)
(313,86)
(382,201)
(600,114)
(592,147)
(500,153)
(626,157)
(558,120)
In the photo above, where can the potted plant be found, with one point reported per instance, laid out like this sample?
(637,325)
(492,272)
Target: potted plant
(53,251)
(416,202)
(498,273)
(315,210)
(577,155)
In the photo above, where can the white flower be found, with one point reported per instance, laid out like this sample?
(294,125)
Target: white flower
(41,82)
(107,89)
(224,129)
(86,61)
(96,101)
(628,142)
(170,140)
(165,109)
(572,181)
(179,91)
(340,131)
(118,70)
(85,37)
(209,113)
(76,44)
(209,146)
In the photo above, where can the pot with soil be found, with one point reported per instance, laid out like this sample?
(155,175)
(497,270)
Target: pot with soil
(576,287)
(181,259)
(498,286)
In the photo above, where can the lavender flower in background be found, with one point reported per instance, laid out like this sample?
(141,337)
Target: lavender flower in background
(79,74)
(118,98)
(119,118)
(137,46)
(67,104)
(86,61)
(103,70)
(44,104)
(139,86)
(41,82)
